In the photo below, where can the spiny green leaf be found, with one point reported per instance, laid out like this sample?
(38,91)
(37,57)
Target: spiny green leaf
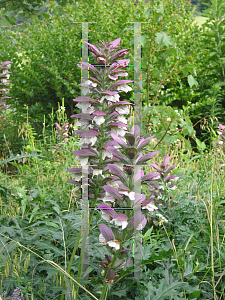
(163,38)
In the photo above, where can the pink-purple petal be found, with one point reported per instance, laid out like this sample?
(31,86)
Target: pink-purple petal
(115,44)
(86,66)
(156,167)
(111,93)
(106,232)
(82,116)
(120,217)
(88,133)
(146,157)
(117,172)
(118,140)
(166,161)
(150,176)
(84,99)
(113,192)
(121,63)
(6,63)
(74,170)
(99,113)
(117,154)
(143,142)
(85,152)
(170,168)
(94,49)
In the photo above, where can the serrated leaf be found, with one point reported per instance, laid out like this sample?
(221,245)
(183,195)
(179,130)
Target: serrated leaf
(172,51)
(163,38)
(20,157)
(192,81)
(148,12)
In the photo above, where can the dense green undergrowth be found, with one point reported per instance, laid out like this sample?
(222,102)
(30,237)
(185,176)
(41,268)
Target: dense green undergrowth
(40,220)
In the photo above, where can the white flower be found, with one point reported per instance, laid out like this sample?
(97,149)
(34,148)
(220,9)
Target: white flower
(161,187)
(108,198)
(124,87)
(77,177)
(102,240)
(86,84)
(119,165)
(118,131)
(85,90)
(113,98)
(221,142)
(84,106)
(99,120)
(90,110)
(150,207)
(132,195)
(115,244)
(168,119)
(105,154)
(88,140)
(113,184)
(83,160)
(83,123)
(121,119)
(123,110)
(106,217)
(97,172)
(89,82)
(219,132)
(120,223)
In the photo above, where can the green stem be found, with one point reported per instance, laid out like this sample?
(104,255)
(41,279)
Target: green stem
(104,291)
(105,285)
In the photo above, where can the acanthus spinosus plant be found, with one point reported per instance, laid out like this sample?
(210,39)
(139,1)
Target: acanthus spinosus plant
(111,152)
(102,112)
(4,73)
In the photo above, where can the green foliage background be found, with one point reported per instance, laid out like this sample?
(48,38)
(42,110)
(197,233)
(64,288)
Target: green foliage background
(183,101)
(182,69)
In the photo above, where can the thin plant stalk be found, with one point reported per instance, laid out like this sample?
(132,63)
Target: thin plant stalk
(211,237)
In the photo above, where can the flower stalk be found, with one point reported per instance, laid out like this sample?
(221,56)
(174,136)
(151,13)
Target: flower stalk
(101,114)
(112,153)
